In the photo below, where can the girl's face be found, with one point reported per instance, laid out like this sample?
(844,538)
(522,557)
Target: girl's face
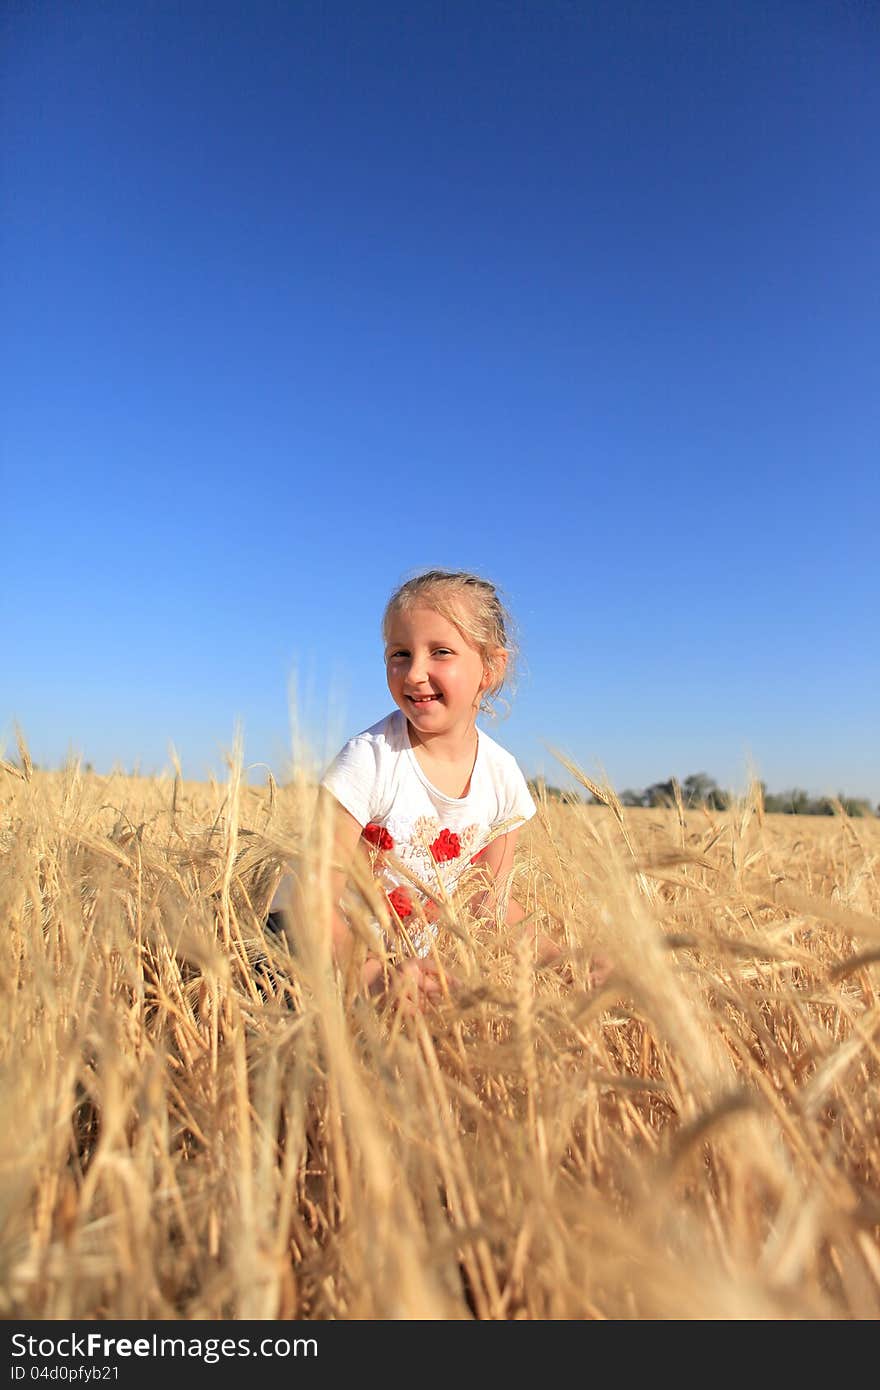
(434,674)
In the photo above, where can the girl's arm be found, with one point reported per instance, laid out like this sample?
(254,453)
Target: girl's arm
(498,859)
(346,838)
(498,856)
(345,834)
(347,843)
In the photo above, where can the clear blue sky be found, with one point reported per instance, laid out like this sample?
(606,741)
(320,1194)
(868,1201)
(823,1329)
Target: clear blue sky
(300,297)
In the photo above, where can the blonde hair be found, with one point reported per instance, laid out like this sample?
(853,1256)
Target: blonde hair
(473,605)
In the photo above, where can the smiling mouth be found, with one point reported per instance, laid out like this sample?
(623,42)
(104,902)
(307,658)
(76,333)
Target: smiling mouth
(423,699)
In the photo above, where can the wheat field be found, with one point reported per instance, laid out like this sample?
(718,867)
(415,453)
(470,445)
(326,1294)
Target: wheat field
(198,1125)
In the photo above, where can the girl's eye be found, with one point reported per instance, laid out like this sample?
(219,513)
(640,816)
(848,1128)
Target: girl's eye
(438,651)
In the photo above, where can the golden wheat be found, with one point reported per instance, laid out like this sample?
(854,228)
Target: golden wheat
(196,1125)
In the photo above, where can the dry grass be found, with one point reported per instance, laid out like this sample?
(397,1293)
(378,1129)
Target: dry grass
(701,1138)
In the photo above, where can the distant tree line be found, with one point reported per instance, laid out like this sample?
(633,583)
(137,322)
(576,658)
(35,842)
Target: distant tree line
(699,789)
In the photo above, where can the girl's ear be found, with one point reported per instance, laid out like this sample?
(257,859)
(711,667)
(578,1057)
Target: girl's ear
(494,667)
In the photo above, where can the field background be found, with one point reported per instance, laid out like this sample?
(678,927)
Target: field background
(196,1126)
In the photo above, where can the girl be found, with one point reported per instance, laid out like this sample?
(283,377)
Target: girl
(425,793)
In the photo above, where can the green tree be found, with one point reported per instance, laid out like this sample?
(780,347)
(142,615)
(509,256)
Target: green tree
(697,788)
(632,798)
(660,793)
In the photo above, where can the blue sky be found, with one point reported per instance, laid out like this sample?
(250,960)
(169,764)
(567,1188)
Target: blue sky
(299,298)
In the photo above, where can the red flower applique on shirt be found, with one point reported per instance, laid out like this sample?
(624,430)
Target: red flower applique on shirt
(377,835)
(399,900)
(446,846)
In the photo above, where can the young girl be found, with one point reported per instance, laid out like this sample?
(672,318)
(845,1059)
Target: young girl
(424,792)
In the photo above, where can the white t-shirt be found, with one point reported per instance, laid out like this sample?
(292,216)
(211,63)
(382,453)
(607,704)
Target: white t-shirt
(378,779)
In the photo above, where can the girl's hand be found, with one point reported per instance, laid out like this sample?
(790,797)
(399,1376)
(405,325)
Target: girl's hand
(420,983)
(601,967)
